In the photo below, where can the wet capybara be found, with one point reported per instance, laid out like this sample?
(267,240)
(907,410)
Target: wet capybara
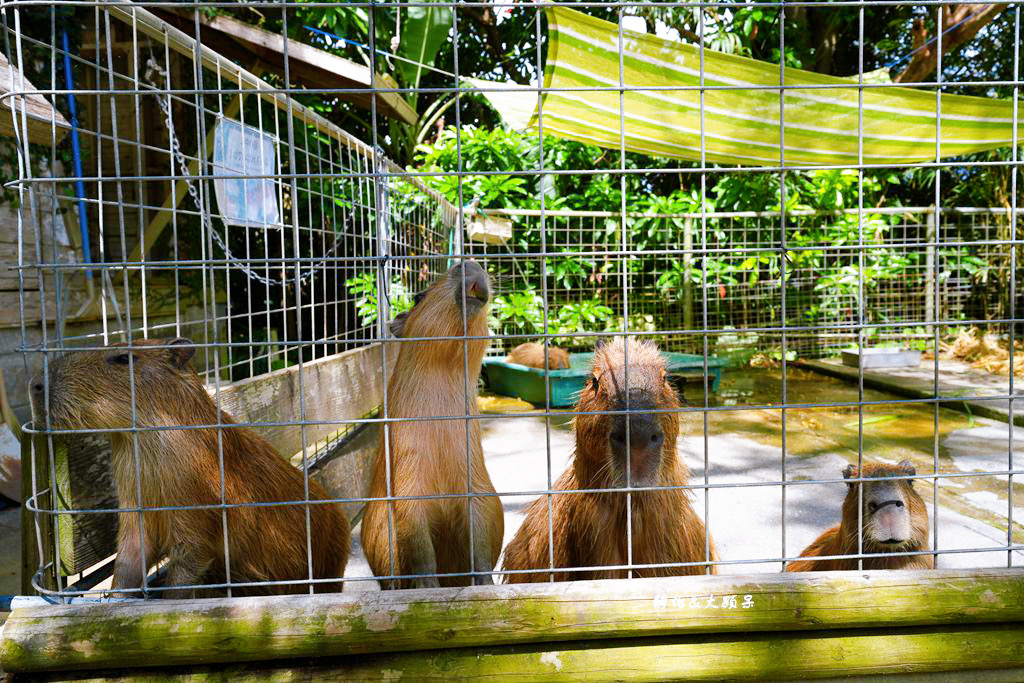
(894,519)
(179,467)
(589,529)
(428,457)
(531,354)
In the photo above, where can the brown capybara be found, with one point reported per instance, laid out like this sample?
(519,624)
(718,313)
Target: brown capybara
(177,467)
(531,354)
(429,457)
(589,529)
(894,520)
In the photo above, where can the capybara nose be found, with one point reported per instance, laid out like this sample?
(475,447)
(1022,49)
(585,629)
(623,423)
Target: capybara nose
(476,283)
(645,438)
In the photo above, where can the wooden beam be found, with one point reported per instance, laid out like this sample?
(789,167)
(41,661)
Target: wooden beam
(966,653)
(344,386)
(935,606)
(41,117)
(166,212)
(310,66)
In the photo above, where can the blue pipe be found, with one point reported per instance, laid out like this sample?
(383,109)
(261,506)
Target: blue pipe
(83,219)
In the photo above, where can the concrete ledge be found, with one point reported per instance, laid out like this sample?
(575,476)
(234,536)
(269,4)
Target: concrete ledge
(960,387)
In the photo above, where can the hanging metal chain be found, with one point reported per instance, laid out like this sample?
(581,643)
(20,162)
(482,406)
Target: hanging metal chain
(154,68)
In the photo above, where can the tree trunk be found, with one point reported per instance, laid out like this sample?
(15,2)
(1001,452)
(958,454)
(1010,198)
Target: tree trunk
(973,15)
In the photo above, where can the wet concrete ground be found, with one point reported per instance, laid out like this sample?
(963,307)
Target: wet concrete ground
(752,523)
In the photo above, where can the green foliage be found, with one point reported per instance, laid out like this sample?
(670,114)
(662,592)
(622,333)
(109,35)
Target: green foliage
(521,311)
(423,31)
(363,288)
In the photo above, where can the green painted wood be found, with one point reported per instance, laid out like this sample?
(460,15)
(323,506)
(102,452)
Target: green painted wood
(170,633)
(785,655)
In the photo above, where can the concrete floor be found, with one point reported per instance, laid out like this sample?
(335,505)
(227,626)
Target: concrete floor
(744,448)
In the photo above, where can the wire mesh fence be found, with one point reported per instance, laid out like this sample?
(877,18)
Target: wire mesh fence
(908,250)
(326,298)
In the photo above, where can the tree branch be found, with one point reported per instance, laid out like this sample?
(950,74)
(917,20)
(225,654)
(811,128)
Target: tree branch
(923,63)
(484,18)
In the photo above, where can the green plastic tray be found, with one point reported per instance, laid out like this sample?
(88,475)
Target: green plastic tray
(513,379)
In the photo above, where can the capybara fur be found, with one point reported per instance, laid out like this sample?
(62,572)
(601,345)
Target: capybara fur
(421,537)
(894,518)
(178,467)
(531,354)
(589,529)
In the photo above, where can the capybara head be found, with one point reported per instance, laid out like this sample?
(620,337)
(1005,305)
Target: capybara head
(461,293)
(627,375)
(93,389)
(894,518)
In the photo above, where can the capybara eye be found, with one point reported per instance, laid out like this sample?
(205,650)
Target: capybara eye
(119,359)
(593,383)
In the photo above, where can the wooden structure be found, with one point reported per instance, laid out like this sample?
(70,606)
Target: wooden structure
(44,125)
(307,65)
(768,626)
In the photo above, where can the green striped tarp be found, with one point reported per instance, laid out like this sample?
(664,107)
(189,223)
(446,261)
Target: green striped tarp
(820,123)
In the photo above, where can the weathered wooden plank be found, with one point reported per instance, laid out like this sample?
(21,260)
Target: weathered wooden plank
(786,656)
(249,629)
(40,116)
(345,386)
(84,481)
(310,66)
(346,471)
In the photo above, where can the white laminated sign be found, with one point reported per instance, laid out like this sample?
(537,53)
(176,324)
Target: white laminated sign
(248,153)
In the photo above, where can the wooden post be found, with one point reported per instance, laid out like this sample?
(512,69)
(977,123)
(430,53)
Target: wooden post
(779,624)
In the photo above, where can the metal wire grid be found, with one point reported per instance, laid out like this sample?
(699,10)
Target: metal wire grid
(743,275)
(413,234)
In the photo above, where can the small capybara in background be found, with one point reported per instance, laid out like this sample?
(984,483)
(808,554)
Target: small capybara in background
(178,467)
(589,529)
(429,457)
(894,518)
(531,354)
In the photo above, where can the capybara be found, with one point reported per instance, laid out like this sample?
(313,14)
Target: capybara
(894,518)
(428,457)
(531,354)
(589,529)
(177,467)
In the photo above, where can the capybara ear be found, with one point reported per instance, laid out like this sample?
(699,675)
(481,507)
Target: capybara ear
(907,468)
(850,472)
(398,324)
(180,352)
